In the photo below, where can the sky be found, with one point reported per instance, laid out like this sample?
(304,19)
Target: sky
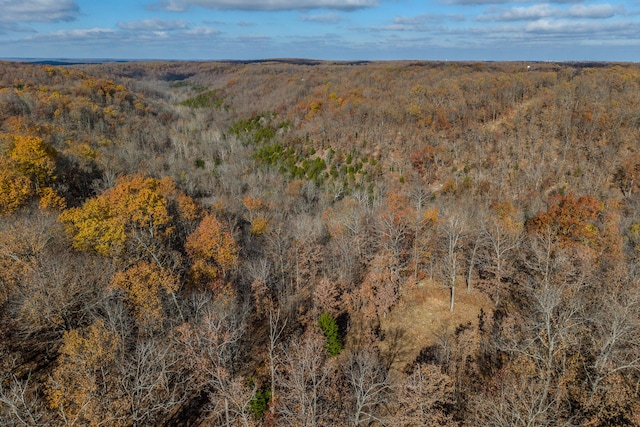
(477,30)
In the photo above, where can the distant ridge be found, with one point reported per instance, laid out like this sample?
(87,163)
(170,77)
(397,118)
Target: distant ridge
(76,61)
(65,61)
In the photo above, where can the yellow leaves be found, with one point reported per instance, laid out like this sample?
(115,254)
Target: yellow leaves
(96,225)
(188,209)
(634,235)
(256,215)
(33,158)
(259,226)
(15,188)
(147,208)
(418,91)
(142,285)
(430,217)
(503,209)
(315,107)
(213,250)
(507,216)
(51,200)
(136,206)
(26,165)
(414,110)
(83,150)
(78,381)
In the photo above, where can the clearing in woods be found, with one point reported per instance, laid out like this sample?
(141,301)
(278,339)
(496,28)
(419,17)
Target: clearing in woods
(423,316)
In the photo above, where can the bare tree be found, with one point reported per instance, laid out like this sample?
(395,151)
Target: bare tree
(451,230)
(154,381)
(303,380)
(501,238)
(211,346)
(422,398)
(19,404)
(541,342)
(370,387)
(277,326)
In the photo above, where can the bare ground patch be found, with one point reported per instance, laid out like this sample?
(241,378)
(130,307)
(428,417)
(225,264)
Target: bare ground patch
(423,315)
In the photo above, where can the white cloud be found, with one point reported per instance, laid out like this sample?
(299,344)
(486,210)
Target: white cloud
(254,38)
(542,11)
(202,31)
(427,22)
(567,27)
(554,33)
(153,25)
(38,10)
(519,13)
(595,11)
(79,34)
(487,2)
(182,5)
(427,18)
(323,18)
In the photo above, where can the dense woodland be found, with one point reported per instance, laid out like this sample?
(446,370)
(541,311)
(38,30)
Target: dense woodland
(304,243)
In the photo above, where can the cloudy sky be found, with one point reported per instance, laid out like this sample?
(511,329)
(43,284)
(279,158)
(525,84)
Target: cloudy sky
(601,30)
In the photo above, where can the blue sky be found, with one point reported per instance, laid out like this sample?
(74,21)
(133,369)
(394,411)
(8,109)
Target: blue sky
(564,30)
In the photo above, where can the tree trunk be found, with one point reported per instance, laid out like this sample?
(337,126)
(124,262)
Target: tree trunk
(453,297)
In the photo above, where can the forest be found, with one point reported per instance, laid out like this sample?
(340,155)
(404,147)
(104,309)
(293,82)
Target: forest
(316,243)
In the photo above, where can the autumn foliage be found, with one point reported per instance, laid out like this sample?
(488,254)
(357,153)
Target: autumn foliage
(213,250)
(571,219)
(133,215)
(300,242)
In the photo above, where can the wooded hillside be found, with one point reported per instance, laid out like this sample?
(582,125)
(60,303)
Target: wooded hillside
(307,243)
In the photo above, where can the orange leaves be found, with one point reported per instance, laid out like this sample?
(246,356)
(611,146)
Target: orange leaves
(345,219)
(188,209)
(569,218)
(213,251)
(395,220)
(142,285)
(398,209)
(252,204)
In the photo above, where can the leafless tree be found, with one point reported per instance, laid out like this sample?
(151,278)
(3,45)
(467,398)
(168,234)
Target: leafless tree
(422,398)
(369,385)
(19,403)
(303,381)
(452,230)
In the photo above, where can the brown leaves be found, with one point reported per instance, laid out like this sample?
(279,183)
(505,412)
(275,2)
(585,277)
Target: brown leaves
(627,177)
(423,397)
(569,218)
